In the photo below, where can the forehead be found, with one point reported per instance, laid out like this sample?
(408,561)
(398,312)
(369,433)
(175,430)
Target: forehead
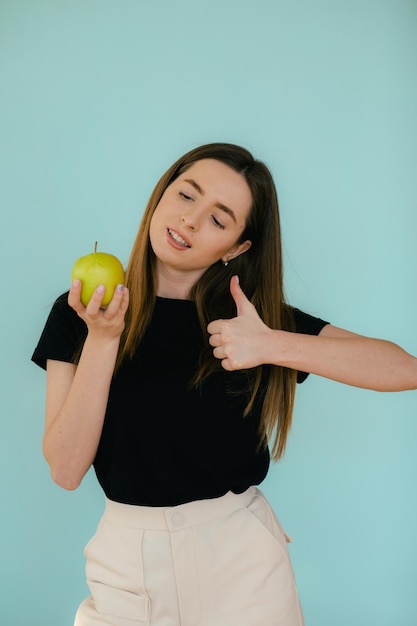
(220,183)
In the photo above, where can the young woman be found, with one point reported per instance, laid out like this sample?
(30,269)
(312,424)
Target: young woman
(176,392)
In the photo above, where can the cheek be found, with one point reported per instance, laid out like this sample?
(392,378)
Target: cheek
(154,229)
(219,247)
(157,218)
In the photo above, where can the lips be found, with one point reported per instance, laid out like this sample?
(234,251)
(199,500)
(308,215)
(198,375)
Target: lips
(177,239)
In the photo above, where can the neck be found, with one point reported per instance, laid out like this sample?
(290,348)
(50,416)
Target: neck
(176,285)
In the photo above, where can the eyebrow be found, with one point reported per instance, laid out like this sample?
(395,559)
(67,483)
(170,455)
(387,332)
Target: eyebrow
(219,205)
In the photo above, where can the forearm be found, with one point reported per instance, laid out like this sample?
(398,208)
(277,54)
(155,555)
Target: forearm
(73,432)
(245,341)
(345,357)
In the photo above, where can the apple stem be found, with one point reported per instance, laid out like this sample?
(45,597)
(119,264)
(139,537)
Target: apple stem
(95,247)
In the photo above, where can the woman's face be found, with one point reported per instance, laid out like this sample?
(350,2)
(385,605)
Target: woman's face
(198,221)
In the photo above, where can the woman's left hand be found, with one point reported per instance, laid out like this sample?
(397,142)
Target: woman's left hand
(245,341)
(239,342)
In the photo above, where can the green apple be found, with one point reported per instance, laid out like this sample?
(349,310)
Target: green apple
(98,268)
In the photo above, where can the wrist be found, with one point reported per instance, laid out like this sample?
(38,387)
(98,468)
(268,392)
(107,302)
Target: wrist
(102,341)
(278,348)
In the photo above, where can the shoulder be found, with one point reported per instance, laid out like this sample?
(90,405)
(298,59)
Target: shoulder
(299,321)
(308,324)
(62,335)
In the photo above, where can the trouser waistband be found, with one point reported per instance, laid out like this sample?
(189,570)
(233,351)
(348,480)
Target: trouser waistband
(176,517)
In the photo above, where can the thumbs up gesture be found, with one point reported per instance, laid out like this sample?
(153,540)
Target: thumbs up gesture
(240,342)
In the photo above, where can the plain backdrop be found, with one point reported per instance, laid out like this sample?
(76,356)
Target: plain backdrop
(97,99)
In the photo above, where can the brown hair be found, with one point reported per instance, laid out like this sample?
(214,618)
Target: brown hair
(261,278)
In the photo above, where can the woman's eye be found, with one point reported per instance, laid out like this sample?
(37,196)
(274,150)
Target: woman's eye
(217,223)
(185,196)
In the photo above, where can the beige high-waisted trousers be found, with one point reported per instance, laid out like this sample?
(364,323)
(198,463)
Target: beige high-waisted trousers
(220,562)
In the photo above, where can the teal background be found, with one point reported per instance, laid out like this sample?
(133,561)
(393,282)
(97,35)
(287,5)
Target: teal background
(97,99)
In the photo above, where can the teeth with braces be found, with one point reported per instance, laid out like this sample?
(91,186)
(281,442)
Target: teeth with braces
(177,238)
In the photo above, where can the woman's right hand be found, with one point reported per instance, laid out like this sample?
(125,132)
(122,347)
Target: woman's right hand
(104,322)
(76,396)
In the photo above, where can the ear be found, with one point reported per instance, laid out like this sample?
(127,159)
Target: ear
(236,251)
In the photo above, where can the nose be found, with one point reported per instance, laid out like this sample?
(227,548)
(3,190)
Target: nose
(189,220)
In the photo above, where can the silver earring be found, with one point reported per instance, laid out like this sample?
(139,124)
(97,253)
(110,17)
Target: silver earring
(225,263)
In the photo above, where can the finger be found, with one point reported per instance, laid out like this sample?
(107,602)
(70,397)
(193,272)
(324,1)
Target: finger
(215,340)
(74,296)
(219,353)
(94,305)
(227,365)
(122,304)
(125,300)
(243,305)
(215,327)
(115,303)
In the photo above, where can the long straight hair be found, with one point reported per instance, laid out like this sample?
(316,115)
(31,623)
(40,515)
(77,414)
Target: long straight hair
(260,273)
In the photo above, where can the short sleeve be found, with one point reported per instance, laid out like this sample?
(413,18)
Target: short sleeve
(307,325)
(63,334)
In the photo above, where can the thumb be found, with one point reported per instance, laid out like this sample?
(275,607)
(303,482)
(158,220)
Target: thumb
(243,305)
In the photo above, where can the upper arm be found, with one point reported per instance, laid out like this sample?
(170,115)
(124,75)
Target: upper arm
(59,377)
(337,333)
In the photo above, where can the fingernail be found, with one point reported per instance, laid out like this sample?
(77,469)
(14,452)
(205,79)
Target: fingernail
(76,282)
(100,289)
(120,288)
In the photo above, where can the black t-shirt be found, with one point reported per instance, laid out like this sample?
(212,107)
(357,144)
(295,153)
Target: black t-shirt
(163,442)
